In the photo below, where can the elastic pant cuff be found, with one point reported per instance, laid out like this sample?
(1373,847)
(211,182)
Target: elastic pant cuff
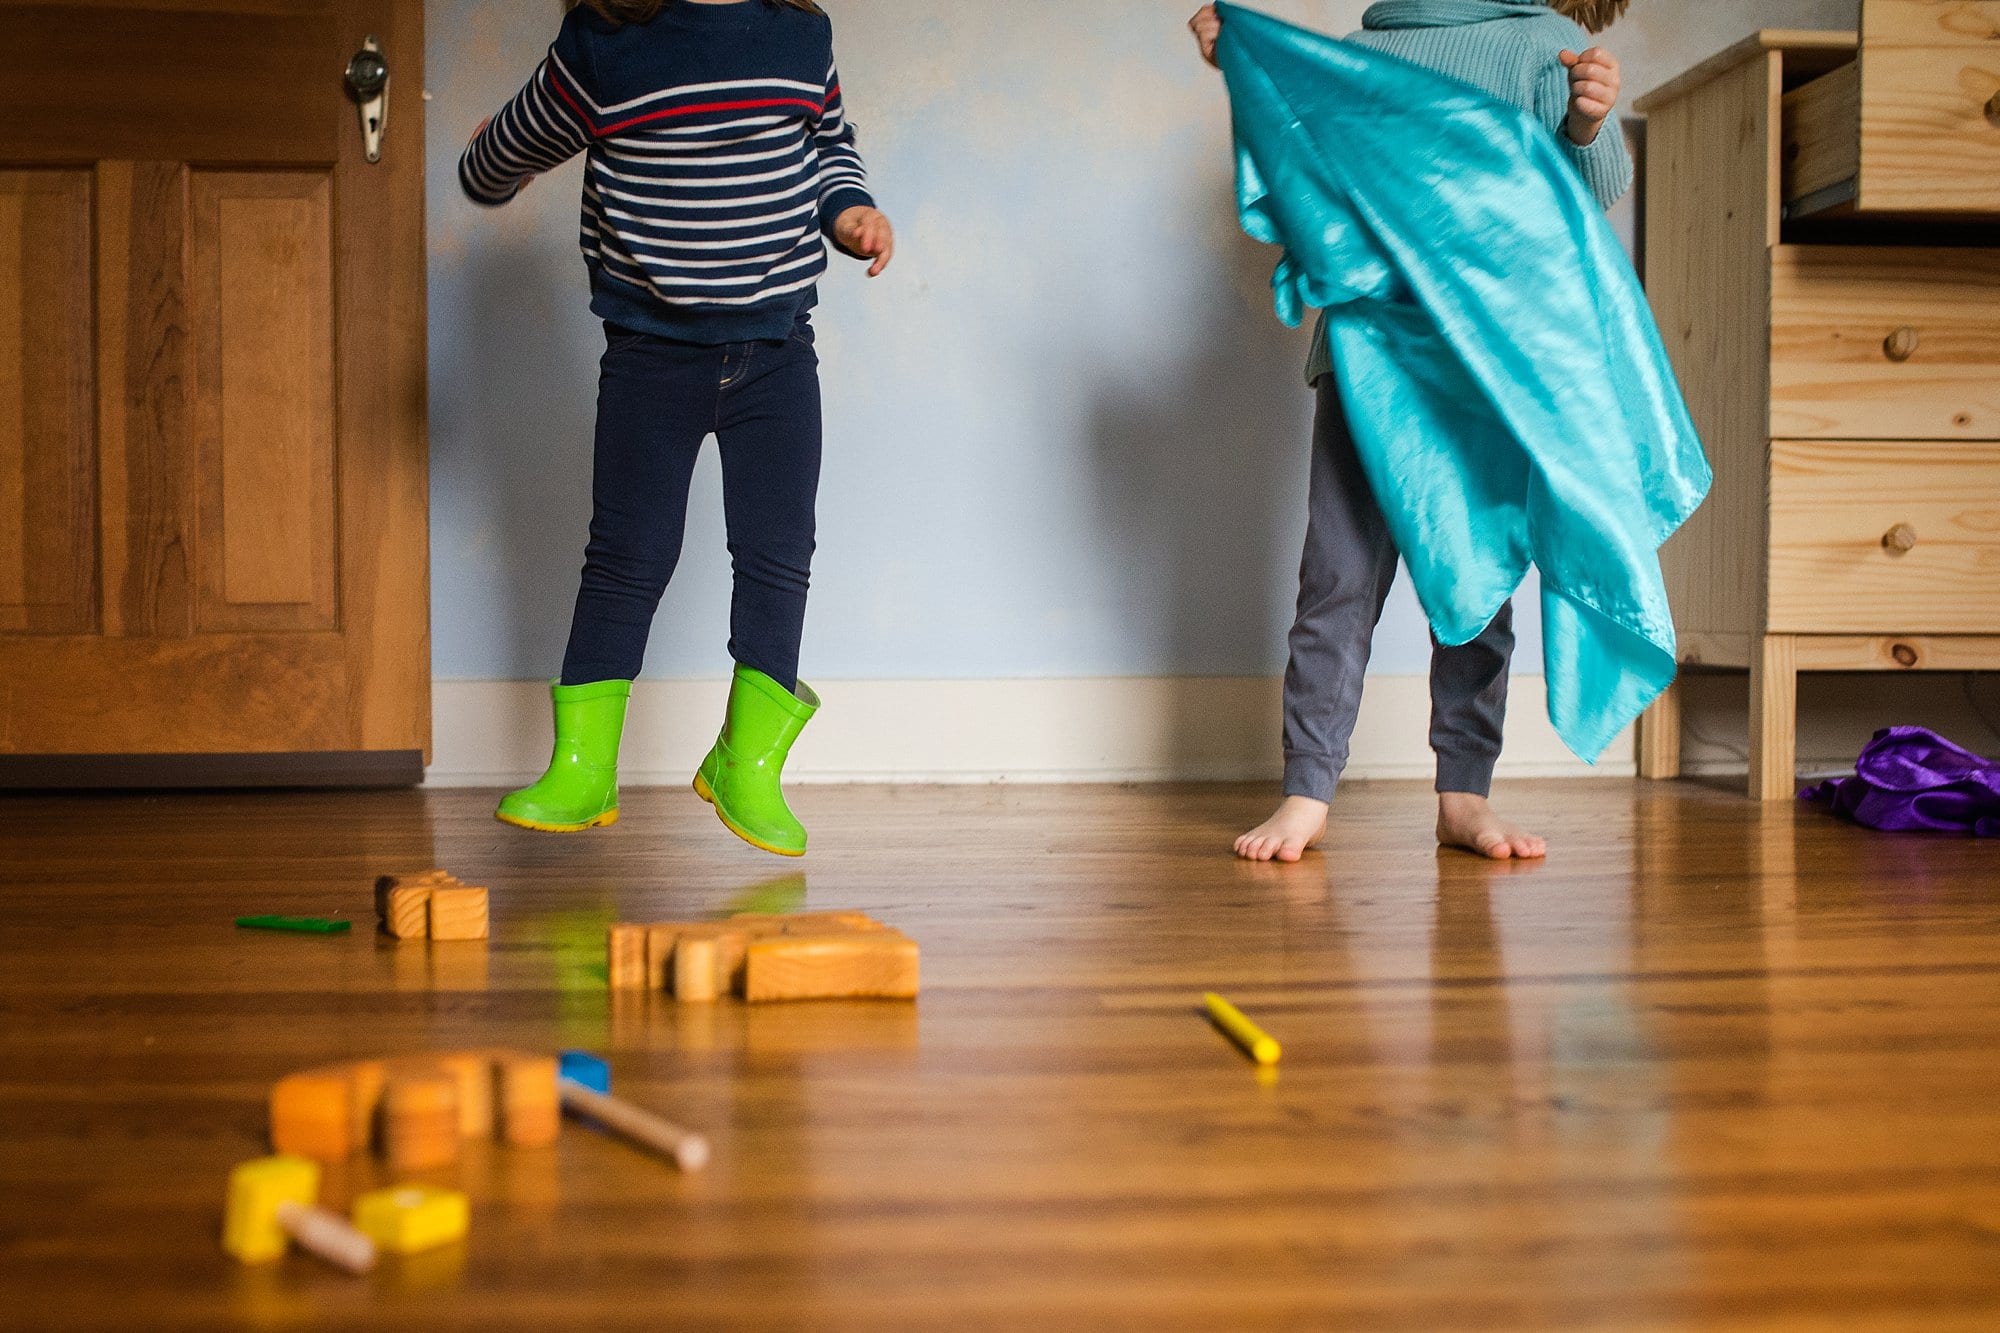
(1313,776)
(1468,773)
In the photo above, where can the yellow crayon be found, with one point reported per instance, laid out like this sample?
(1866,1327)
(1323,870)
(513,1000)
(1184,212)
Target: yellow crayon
(1258,1044)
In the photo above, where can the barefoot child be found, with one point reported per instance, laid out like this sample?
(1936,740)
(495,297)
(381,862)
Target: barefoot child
(718,155)
(1530,53)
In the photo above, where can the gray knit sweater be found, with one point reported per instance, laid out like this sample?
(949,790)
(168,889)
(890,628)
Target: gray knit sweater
(1508,48)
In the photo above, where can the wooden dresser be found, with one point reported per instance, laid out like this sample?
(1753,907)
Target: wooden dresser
(1823,252)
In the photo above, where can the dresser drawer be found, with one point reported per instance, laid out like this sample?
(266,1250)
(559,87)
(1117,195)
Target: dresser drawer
(1870,537)
(1877,343)
(1930,106)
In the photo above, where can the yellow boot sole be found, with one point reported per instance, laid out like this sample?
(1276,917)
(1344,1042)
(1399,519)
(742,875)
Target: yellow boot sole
(703,790)
(605,820)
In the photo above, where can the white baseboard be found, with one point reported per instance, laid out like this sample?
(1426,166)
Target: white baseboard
(1155,729)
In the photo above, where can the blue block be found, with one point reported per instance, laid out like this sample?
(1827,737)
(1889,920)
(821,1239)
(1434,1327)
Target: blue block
(584,1068)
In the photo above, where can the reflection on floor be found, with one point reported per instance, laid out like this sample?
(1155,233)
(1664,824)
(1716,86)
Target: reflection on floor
(1713,1065)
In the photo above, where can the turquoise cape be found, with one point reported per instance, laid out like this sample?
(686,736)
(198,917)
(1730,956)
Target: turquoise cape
(1503,376)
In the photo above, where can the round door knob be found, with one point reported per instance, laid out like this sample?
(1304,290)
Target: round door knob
(367,73)
(1900,540)
(1902,344)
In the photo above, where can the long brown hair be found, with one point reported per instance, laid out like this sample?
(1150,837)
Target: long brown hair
(1594,15)
(644,11)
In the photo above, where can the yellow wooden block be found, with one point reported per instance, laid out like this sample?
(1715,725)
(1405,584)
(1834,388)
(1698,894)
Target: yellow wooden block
(880,964)
(411,1218)
(250,1229)
(458,913)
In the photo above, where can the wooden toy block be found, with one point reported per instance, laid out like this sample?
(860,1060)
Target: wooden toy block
(365,1081)
(457,912)
(274,1200)
(313,1115)
(420,1119)
(585,1068)
(695,969)
(625,957)
(410,1219)
(879,964)
(809,923)
(473,1072)
(424,879)
(407,914)
(660,957)
(530,1106)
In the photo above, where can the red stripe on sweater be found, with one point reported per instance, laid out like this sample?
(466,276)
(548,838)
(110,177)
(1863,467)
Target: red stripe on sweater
(599,131)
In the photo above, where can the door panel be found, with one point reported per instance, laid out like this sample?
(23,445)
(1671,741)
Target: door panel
(213,487)
(144,448)
(261,318)
(48,493)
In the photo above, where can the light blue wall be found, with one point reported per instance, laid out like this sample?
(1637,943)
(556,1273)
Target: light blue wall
(1065,434)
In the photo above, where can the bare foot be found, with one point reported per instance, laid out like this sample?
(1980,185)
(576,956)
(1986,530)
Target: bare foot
(1299,824)
(1468,821)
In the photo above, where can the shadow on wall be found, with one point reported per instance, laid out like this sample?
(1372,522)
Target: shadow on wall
(1200,471)
(517,449)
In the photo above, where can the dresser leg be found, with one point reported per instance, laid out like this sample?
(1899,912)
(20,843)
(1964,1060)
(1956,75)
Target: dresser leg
(1660,736)
(1774,713)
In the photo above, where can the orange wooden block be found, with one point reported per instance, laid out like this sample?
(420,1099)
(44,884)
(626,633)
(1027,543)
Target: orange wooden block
(530,1105)
(473,1072)
(420,1119)
(365,1080)
(407,914)
(878,964)
(625,957)
(457,912)
(312,1115)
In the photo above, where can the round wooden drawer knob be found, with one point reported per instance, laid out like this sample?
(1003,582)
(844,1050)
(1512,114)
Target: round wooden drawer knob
(1902,344)
(1901,539)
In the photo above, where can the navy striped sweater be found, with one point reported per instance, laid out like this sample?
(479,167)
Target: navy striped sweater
(718,156)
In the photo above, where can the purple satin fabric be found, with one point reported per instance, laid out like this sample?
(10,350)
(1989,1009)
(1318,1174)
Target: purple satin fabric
(1911,779)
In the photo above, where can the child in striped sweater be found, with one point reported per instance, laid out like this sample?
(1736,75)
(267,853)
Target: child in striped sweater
(718,156)
(1534,54)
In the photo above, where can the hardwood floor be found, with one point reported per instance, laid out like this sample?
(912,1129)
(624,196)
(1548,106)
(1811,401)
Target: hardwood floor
(1713,1066)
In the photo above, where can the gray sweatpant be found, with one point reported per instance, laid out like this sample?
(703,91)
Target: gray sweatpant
(1344,579)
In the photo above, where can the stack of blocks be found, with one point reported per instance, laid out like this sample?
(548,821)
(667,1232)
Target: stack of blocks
(759,957)
(433,905)
(417,1110)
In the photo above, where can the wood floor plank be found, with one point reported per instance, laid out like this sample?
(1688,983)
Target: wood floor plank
(1713,1066)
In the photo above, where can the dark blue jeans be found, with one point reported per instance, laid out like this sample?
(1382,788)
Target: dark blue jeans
(657,401)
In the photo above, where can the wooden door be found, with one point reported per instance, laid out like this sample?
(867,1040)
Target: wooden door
(213,536)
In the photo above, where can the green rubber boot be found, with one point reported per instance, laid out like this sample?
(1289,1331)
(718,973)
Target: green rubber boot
(580,790)
(740,777)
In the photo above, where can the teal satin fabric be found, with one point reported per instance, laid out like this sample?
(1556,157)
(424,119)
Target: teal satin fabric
(1502,373)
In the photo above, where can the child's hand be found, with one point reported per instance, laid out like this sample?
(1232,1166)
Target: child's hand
(866,234)
(1207,29)
(1593,92)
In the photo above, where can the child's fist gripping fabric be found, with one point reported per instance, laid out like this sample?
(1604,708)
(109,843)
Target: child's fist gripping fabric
(865,233)
(1206,26)
(1593,92)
